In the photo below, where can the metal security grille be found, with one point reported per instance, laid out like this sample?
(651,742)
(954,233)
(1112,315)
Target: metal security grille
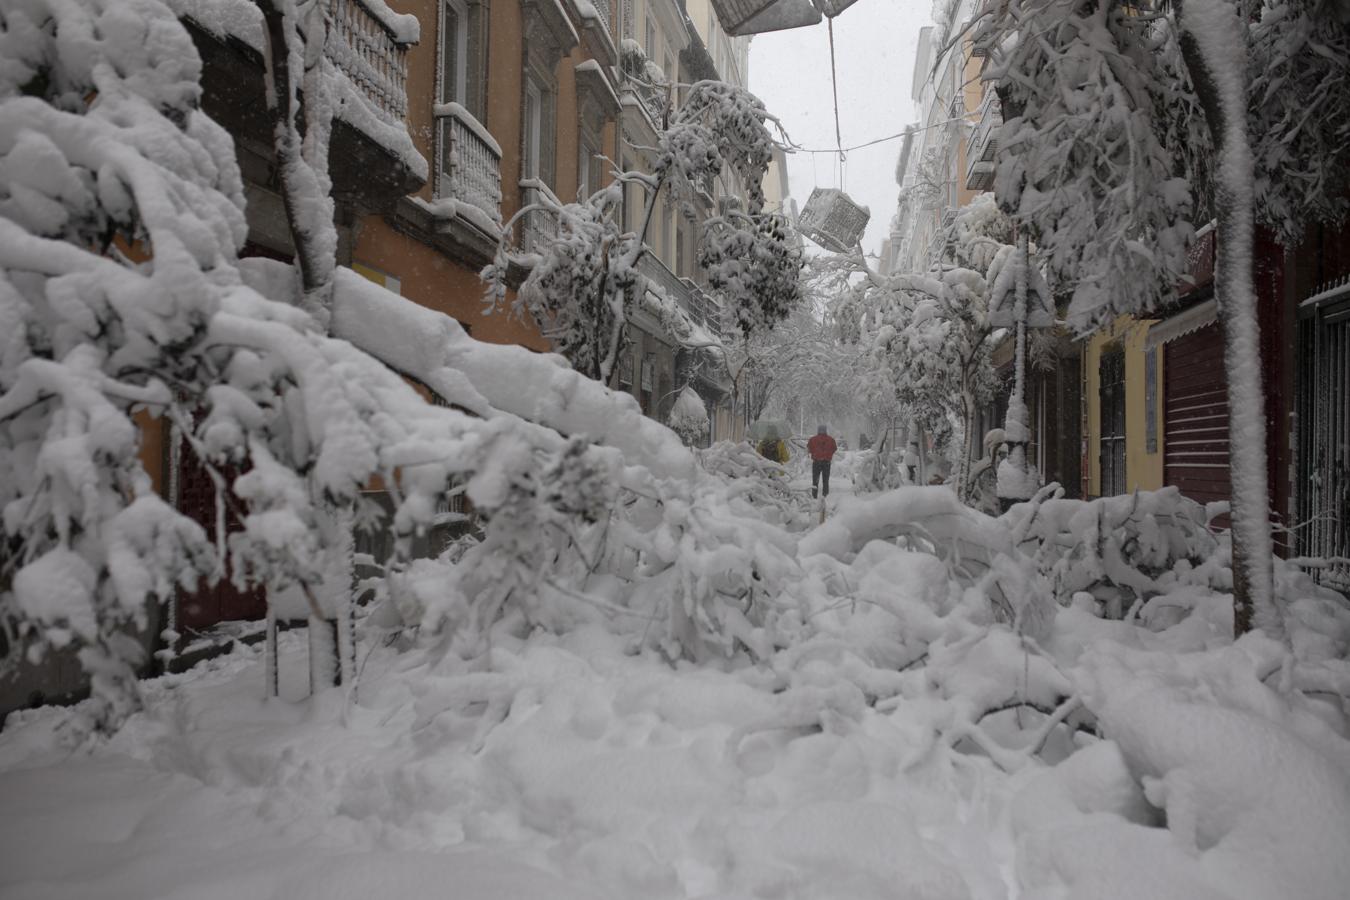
(1111,370)
(1322,498)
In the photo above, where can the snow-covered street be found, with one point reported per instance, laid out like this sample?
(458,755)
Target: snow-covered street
(577,765)
(570,770)
(412,414)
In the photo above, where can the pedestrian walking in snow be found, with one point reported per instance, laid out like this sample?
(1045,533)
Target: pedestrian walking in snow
(772,447)
(822,448)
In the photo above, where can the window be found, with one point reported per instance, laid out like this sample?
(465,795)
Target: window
(589,172)
(454,52)
(534,127)
(681,239)
(646,385)
(537,157)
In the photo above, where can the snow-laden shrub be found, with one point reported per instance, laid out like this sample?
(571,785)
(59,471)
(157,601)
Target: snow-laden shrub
(1119,549)
(689,417)
(877,470)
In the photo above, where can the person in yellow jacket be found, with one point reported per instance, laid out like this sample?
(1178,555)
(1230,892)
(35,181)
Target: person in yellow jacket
(773,448)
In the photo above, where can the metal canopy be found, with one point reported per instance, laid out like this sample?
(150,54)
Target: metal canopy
(758,16)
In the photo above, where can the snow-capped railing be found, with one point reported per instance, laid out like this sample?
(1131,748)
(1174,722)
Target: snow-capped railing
(984,137)
(371,54)
(470,160)
(603,11)
(695,303)
(538,227)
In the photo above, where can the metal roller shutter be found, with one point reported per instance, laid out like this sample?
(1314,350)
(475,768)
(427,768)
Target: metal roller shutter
(1195,416)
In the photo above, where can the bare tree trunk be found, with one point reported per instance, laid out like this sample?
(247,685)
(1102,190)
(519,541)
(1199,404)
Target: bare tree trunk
(302,161)
(1213,47)
(302,164)
(1016,430)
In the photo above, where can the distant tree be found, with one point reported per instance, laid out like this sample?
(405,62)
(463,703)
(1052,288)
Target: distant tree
(925,336)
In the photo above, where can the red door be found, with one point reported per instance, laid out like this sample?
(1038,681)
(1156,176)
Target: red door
(210,604)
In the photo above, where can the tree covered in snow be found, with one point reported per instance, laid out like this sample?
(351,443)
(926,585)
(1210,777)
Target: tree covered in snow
(121,210)
(583,286)
(925,336)
(1113,112)
(798,369)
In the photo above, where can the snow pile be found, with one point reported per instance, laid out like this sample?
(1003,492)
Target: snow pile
(689,417)
(900,738)
(899,733)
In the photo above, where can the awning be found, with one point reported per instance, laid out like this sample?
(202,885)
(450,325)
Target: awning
(1182,323)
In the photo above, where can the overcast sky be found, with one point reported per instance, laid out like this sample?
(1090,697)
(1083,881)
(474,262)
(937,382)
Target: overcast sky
(874,50)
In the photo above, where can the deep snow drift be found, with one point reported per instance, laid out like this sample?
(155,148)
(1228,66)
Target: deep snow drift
(907,744)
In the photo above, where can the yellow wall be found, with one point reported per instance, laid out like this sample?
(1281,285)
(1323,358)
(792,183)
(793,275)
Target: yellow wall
(1143,471)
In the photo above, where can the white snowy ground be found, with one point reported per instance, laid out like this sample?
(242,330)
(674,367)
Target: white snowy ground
(571,767)
(612,776)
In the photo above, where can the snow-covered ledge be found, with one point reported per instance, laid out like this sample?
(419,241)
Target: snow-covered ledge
(597,32)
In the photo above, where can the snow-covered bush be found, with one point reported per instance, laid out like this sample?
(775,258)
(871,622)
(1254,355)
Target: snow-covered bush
(689,417)
(1122,550)
(121,213)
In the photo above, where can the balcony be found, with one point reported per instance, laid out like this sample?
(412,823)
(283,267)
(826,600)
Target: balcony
(538,227)
(369,52)
(983,145)
(643,89)
(597,29)
(948,220)
(372,159)
(470,167)
(698,306)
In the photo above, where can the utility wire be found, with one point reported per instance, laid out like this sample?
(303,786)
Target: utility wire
(834,82)
(881,140)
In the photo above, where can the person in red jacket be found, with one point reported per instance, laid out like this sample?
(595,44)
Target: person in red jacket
(821,447)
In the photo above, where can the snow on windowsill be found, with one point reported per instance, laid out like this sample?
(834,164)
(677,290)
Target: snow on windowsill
(241,19)
(586,11)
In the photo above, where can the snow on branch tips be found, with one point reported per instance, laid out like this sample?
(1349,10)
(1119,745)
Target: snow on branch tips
(1080,162)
